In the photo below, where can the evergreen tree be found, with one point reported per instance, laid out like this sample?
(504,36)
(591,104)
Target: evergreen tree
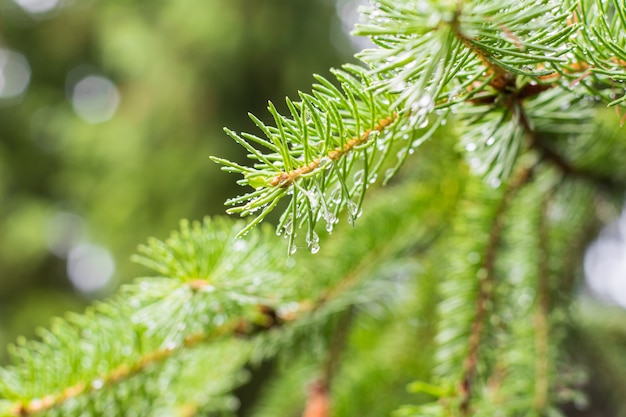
(488,123)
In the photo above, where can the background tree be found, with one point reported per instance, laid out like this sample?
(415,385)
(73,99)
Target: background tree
(69,180)
(460,279)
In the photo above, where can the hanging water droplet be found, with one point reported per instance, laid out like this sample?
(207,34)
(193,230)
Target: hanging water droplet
(325,162)
(287,229)
(353,209)
(313,237)
(373,178)
(475,163)
(389,173)
(314,246)
(424,101)
(313,200)
(335,195)
(240,245)
(423,124)
(331,219)
(495,182)
(470,147)
(373,135)
(491,141)
(358,177)
(293,249)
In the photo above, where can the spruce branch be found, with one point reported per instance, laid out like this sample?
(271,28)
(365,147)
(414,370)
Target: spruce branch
(486,288)
(430,58)
(314,153)
(541,316)
(601,47)
(523,79)
(213,302)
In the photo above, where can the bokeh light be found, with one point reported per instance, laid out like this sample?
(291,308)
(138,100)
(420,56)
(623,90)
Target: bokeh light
(95,99)
(90,267)
(64,231)
(348,12)
(14,74)
(605,263)
(36,7)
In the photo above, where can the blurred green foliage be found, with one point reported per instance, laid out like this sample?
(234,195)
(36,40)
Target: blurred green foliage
(183,70)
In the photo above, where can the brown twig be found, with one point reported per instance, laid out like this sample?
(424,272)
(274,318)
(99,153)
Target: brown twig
(285,179)
(486,287)
(541,314)
(269,319)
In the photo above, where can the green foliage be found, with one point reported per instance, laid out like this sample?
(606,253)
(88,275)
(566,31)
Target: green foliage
(455,294)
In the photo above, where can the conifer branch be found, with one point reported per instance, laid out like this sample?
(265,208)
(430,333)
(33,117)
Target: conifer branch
(197,262)
(569,170)
(286,179)
(486,288)
(541,315)
(115,376)
(523,77)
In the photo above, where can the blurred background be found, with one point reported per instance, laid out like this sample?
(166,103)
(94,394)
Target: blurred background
(108,114)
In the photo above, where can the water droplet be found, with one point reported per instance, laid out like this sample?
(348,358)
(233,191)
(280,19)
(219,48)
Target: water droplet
(373,178)
(358,177)
(423,124)
(293,249)
(240,245)
(353,209)
(495,182)
(491,141)
(424,101)
(314,247)
(288,227)
(97,384)
(331,219)
(470,147)
(313,200)
(389,173)
(325,162)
